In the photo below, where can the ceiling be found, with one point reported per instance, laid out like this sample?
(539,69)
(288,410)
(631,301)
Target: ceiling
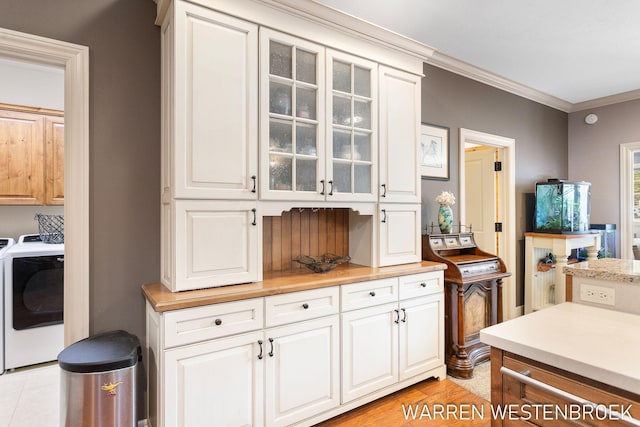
(573,51)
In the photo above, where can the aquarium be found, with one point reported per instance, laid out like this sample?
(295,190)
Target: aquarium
(562,207)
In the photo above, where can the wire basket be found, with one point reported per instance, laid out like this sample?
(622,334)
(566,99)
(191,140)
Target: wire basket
(51,228)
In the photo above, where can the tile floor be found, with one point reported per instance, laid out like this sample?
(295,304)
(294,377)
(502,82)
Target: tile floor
(30,397)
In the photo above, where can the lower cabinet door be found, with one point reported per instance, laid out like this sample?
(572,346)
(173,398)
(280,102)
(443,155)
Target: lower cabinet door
(302,370)
(370,350)
(421,335)
(219,382)
(400,238)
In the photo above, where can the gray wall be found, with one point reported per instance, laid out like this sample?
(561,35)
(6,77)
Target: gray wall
(540,133)
(125,139)
(124,131)
(594,155)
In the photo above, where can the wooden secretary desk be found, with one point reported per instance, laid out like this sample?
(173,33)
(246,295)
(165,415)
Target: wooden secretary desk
(473,297)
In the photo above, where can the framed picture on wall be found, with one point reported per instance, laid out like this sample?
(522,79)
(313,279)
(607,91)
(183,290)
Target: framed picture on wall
(434,151)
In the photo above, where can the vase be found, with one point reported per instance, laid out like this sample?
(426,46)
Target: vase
(445,219)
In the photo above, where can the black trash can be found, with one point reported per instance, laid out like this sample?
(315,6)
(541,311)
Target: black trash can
(99,381)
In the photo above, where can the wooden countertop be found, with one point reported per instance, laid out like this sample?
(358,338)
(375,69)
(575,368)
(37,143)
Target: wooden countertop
(162,299)
(596,343)
(613,269)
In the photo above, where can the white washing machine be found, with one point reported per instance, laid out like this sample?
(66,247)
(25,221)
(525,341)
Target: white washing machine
(33,302)
(5,244)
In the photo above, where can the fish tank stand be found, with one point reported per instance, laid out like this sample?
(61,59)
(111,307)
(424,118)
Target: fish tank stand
(545,288)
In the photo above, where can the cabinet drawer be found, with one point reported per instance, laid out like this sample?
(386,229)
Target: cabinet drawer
(212,321)
(418,285)
(368,294)
(298,306)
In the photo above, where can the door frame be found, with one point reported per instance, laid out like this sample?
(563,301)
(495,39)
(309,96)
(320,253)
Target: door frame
(74,59)
(507,240)
(626,198)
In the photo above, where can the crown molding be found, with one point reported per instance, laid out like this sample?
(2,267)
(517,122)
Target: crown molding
(465,69)
(606,100)
(354,25)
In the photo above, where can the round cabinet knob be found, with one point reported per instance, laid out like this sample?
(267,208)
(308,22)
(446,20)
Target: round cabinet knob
(424,285)
(218,322)
(372,293)
(305,305)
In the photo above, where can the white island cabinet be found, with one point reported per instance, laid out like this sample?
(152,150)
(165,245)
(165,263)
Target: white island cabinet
(292,358)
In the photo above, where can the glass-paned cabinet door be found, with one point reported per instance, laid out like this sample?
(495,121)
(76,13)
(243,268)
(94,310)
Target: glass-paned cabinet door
(292,116)
(351,128)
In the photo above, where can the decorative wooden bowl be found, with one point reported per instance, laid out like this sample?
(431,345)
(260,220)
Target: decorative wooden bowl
(322,263)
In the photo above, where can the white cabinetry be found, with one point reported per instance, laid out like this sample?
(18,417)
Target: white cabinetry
(292,105)
(387,343)
(219,380)
(276,361)
(309,151)
(210,92)
(210,228)
(214,243)
(302,370)
(399,234)
(352,148)
(399,136)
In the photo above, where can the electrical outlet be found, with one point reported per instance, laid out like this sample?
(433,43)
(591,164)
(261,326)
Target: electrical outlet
(597,294)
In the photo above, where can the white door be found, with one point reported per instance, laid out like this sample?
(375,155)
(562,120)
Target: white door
(399,135)
(370,350)
(292,115)
(399,237)
(216,243)
(481,196)
(421,335)
(212,115)
(352,123)
(218,382)
(302,370)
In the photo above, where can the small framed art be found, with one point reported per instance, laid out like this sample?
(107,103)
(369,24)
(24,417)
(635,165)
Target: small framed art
(434,151)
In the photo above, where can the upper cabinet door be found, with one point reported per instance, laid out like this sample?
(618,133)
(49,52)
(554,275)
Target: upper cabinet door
(21,158)
(211,104)
(292,114)
(54,160)
(352,122)
(399,136)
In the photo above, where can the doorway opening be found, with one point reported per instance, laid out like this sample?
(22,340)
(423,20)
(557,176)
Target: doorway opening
(74,59)
(630,200)
(498,204)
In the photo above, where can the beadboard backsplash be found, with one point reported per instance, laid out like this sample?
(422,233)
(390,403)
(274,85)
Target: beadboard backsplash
(303,232)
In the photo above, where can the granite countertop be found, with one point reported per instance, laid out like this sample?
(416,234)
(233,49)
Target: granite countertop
(594,342)
(613,269)
(162,299)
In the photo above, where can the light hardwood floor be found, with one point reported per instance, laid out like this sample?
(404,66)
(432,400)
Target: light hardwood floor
(430,397)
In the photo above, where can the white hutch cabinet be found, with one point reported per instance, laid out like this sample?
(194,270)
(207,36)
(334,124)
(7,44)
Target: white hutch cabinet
(269,105)
(276,108)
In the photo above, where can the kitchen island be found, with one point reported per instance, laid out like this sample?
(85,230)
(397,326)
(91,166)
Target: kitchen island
(569,349)
(608,283)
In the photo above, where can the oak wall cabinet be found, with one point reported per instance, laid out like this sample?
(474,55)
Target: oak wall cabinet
(31,156)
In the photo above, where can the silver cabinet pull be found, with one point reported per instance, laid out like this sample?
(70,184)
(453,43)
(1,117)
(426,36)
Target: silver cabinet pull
(523,378)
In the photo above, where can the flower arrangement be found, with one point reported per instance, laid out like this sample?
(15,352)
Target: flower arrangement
(446,198)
